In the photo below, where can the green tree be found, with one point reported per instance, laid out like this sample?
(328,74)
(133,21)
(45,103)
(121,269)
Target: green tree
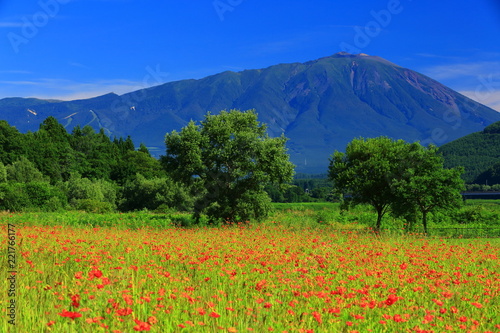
(365,171)
(3,173)
(11,145)
(23,171)
(86,194)
(228,159)
(154,193)
(95,154)
(424,185)
(396,176)
(144,149)
(50,150)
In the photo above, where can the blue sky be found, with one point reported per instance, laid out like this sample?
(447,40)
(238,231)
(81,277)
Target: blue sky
(69,49)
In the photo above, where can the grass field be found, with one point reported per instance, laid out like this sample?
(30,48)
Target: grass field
(137,272)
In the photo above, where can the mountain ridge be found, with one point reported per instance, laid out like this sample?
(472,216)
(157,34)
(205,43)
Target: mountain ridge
(320,105)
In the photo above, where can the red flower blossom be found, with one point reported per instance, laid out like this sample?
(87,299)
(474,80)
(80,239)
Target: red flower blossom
(69,314)
(141,326)
(391,299)
(214,315)
(317,316)
(124,311)
(75,301)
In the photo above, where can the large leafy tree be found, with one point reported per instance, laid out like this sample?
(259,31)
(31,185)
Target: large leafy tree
(50,150)
(396,176)
(365,171)
(228,159)
(424,185)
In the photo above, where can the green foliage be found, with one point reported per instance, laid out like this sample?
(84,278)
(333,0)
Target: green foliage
(144,149)
(11,145)
(154,194)
(14,197)
(490,176)
(23,171)
(424,185)
(31,196)
(396,176)
(476,152)
(83,192)
(92,206)
(3,173)
(228,159)
(365,172)
(493,128)
(477,215)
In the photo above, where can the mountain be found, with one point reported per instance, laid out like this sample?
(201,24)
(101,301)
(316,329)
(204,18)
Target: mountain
(319,105)
(478,153)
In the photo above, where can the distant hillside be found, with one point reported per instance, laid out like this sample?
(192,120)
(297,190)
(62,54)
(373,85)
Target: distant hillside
(477,153)
(319,105)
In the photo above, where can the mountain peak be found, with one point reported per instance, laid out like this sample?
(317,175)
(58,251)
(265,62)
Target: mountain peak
(319,105)
(350,55)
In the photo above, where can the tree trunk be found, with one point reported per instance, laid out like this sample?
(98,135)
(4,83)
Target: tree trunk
(380,213)
(424,221)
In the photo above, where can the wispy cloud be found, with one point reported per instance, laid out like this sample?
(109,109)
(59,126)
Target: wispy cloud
(471,69)
(478,80)
(62,89)
(489,98)
(11,24)
(15,72)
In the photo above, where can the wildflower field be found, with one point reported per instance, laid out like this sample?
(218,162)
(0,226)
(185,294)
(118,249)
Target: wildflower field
(246,278)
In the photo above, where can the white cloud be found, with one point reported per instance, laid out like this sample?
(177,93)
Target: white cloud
(471,69)
(479,80)
(488,98)
(62,89)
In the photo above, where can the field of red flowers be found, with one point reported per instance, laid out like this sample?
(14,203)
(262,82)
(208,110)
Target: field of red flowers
(249,279)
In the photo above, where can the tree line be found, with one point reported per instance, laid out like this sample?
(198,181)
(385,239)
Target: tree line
(51,169)
(224,167)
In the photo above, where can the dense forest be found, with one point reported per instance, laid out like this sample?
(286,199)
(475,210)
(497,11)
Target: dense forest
(51,169)
(478,153)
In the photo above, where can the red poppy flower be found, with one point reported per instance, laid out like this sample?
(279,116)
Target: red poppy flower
(214,315)
(69,314)
(141,326)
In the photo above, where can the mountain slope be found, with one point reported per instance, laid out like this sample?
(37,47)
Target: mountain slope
(319,105)
(477,153)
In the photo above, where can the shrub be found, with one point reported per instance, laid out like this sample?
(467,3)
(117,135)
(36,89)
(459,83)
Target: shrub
(32,195)
(154,193)
(92,206)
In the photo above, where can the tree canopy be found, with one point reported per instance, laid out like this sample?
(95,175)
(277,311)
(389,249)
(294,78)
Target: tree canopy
(396,176)
(228,159)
